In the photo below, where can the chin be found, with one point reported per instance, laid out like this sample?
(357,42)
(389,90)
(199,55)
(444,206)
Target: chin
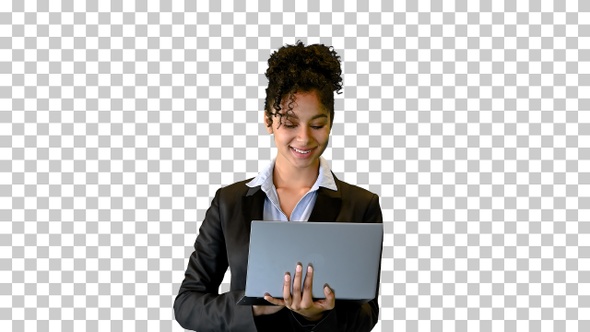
(305,163)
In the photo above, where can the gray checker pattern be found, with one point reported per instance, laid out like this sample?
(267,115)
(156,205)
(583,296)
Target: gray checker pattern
(471,120)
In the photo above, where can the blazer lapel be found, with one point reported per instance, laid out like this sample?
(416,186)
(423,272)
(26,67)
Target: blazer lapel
(327,205)
(253,204)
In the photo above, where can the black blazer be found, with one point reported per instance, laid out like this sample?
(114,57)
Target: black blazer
(223,242)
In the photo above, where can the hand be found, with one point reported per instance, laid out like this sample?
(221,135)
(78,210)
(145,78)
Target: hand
(259,310)
(300,301)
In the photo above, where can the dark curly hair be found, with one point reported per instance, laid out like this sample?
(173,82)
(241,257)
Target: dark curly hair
(300,68)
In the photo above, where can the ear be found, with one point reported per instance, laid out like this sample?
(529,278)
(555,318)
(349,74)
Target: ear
(269,129)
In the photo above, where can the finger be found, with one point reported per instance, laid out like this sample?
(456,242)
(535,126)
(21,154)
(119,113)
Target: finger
(330,300)
(287,289)
(273,300)
(307,299)
(297,279)
(297,285)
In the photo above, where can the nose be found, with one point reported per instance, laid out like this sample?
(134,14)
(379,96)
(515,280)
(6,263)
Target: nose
(303,135)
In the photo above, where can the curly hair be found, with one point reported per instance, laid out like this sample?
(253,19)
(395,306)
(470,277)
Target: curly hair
(300,68)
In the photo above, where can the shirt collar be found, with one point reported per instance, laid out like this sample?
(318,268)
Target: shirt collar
(325,177)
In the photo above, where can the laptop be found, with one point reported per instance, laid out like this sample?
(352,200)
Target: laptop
(346,256)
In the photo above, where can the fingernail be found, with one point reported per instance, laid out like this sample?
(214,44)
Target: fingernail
(299,267)
(328,286)
(309,268)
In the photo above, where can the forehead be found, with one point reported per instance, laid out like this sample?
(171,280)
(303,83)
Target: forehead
(304,104)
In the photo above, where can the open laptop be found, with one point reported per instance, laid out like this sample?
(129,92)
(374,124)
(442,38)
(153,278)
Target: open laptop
(346,256)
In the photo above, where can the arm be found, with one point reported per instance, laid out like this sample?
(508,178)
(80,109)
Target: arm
(198,305)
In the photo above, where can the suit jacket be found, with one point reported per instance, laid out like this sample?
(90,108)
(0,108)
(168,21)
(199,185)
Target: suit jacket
(223,241)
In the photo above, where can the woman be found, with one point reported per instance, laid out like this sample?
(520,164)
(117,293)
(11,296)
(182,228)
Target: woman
(298,185)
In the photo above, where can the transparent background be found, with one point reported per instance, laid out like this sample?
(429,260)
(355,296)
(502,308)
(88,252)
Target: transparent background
(120,119)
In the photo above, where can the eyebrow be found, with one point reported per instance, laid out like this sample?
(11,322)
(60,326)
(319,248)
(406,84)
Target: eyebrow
(294,116)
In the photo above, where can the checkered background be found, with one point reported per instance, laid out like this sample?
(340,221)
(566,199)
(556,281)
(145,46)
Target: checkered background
(120,119)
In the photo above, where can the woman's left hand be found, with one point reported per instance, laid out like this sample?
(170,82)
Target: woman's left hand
(301,301)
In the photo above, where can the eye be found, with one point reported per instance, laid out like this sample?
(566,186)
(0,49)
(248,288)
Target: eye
(289,125)
(317,127)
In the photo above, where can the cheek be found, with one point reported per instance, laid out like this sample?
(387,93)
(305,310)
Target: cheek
(281,138)
(323,137)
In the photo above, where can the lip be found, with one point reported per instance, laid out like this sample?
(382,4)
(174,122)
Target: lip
(297,152)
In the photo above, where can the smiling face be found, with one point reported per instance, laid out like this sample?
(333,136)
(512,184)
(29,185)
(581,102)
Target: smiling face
(302,135)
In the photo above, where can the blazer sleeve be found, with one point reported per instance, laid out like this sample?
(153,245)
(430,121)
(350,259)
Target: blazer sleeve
(199,306)
(349,316)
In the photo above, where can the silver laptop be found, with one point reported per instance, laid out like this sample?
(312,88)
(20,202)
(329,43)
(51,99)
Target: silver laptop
(346,256)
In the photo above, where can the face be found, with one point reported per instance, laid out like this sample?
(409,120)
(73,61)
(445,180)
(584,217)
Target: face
(301,137)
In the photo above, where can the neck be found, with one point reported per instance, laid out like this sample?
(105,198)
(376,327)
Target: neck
(286,176)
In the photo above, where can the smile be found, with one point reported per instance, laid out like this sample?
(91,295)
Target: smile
(301,151)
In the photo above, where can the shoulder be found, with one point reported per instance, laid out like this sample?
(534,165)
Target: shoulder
(234,190)
(237,186)
(353,191)
(354,196)
(358,203)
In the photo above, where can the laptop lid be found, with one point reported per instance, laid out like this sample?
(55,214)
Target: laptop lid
(346,256)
